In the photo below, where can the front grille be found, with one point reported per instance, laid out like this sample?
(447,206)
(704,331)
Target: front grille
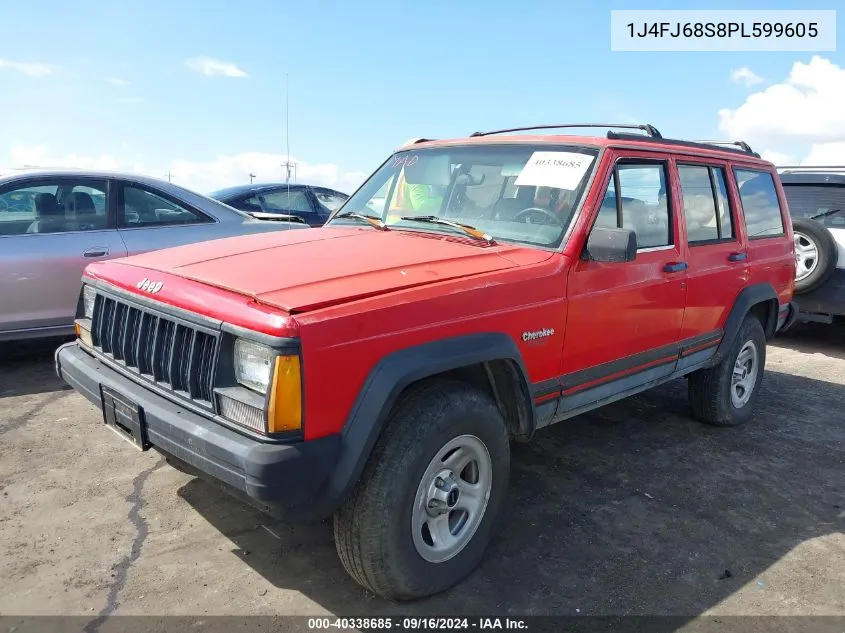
(170,353)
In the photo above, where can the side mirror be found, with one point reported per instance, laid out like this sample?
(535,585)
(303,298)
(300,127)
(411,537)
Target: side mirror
(611,245)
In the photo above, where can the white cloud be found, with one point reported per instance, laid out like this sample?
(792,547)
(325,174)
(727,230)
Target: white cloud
(202,176)
(211,67)
(38,156)
(819,154)
(826,154)
(778,158)
(27,68)
(746,77)
(117,81)
(224,171)
(805,108)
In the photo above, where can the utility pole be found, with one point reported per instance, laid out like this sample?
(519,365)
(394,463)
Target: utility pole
(287,167)
(251,176)
(169,176)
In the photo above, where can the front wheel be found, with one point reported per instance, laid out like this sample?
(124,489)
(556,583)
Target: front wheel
(725,395)
(422,515)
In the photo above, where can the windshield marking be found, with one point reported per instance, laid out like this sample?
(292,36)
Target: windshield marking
(403,160)
(554,169)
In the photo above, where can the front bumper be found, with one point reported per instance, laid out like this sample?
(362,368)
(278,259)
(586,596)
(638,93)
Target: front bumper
(281,479)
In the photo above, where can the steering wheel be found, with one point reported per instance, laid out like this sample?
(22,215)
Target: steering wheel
(547,214)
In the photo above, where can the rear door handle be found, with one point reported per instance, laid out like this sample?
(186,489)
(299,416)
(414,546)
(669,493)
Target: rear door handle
(737,257)
(97,251)
(675,267)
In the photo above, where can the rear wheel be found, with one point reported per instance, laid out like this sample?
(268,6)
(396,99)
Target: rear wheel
(423,512)
(815,254)
(725,395)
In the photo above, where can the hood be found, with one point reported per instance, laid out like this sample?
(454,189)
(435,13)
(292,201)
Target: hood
(304,270)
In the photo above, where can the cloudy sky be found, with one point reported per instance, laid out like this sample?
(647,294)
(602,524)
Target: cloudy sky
(197,88)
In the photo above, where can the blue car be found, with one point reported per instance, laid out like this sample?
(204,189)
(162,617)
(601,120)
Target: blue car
(312,204)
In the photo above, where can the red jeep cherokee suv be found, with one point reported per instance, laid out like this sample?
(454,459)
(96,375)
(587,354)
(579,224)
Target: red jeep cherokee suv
(469,293)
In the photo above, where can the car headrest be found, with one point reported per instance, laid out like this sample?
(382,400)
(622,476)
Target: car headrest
(507,208)
(81,203)
(46,205)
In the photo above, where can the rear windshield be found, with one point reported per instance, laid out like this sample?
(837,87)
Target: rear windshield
(823,203)
(516,193)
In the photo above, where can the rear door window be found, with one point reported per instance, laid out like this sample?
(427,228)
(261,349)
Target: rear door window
(54,206)
(823,203)
(706,205)
(760,204)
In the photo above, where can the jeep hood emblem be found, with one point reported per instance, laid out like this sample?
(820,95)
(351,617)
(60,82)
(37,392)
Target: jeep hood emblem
(149,286)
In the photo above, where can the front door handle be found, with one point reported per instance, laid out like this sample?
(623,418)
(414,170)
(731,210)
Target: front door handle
(737,257)
(675,267)
(97,251)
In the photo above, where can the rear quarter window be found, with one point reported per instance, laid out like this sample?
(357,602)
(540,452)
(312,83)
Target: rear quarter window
(823,203)
(760,204)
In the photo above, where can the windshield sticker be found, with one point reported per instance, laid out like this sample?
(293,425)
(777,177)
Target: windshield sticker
(404,160)
(563,170)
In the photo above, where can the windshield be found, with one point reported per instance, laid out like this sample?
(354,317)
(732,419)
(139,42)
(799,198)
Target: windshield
(517,193)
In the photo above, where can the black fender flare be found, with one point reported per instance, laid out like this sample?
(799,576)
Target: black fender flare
(383,386)
(749,297)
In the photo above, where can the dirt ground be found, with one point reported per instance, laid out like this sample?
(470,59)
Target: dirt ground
(632,509)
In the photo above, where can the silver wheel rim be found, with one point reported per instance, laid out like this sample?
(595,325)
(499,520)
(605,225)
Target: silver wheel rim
(451,498)
(744,375)
(806,256)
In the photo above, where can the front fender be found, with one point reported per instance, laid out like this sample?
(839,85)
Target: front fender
(385,383)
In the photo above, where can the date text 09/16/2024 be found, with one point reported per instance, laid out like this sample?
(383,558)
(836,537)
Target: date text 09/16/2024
(724,29)
(415,623)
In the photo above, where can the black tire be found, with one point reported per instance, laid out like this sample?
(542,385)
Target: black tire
(814,233)
(710,389)
(372,530)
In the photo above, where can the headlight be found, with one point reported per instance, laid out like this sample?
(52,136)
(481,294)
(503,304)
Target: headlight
(253,365)
(88,297)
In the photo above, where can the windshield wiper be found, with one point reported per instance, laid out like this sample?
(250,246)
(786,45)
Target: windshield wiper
(466,228)
(372,220)
(825,214)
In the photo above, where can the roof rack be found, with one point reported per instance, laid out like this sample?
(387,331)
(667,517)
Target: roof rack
(812,167)
(741,144)
(649,129)
(739,147)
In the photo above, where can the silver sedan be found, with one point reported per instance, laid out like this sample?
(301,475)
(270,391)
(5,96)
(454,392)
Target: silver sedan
(54,222)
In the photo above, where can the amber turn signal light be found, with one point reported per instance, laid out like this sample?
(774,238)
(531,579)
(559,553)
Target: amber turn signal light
(284,412)
(83,333)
